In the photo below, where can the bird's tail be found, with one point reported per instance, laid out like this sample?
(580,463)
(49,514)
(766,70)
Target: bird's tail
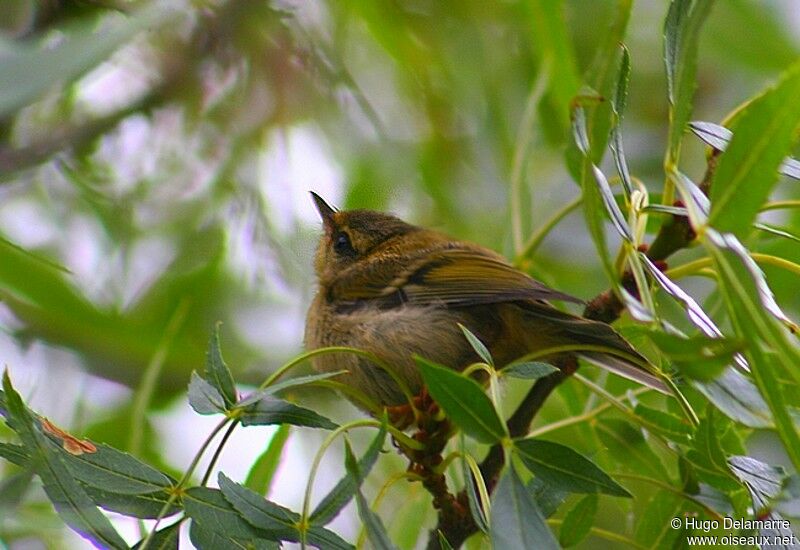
(620,358)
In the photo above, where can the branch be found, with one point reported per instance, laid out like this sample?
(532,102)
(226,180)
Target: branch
(675,233)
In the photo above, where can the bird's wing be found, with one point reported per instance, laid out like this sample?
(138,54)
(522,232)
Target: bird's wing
(452,276)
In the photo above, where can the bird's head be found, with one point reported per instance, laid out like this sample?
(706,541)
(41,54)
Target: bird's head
(352,236)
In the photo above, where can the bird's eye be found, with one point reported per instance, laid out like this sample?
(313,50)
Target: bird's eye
(342,244)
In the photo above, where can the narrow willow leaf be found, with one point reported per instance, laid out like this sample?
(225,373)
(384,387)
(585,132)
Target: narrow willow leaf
(693,310)
(517,521)
(672,427)
(718,137)
(211,509)
(697,204)
(477,345)
(271,410)
(628,447)
(142,506)
(709,458)
(16,454)
(636,308)
(443,544)
(203,537)
(376,532)
(203,397)
(217,372)
(748,170)
(338,497)
(777,231)
(259,478)
(463,401)
(529,370)
(764,482)
(653,528)
(70,500)
(163,539)
(115,471)
(296,382)
(565,468)
(475,505)
(259,512)
(682,27)
(767,366)
(698,357)
(548,497)
(741,277)
(618,106)
(607,196)
(736,397)
(664,209)
(578,521)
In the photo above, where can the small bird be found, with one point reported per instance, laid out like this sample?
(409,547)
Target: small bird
(397,290)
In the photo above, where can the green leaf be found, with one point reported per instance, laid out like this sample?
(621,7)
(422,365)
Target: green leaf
(718,137)
(166,538)
(764,482)
(618,108)
(772,353)
(211,509)
(217,372)
(547,496)
(682,27)
(463,401)
(708,456)
(70,500)
(748,169)
(16,454)
(143,506)
(738,398)
(698,357)
(653,528)
(80,48)
(578,522)
(788,501)
(474,501)
(629,448)
(443,544)
(693,310)
(376,532)
(279,521)
(259,478)
(13,489)
(115,471)
(203,397)
(338,497)
(672,427)
(517,521)
(565,468)
(777,231)
(271,410)
(296,382)
(529,370)
(593,206)
(477,345)
(203,537)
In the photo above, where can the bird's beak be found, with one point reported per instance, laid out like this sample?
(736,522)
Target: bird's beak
(325,211)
